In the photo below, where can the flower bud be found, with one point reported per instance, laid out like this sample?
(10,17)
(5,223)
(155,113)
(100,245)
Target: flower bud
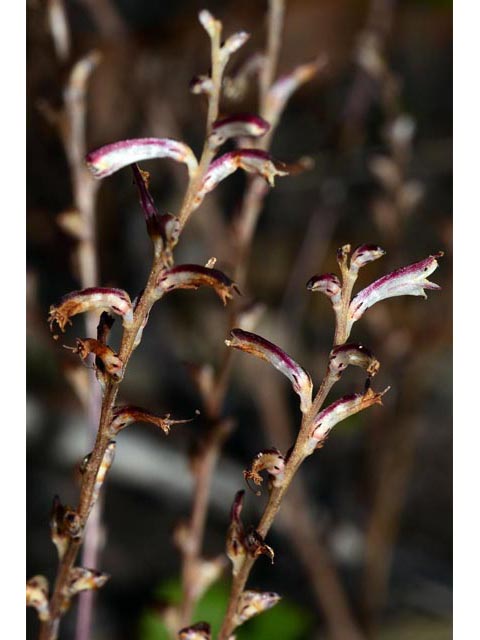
(329,284)
(240,125)
(364,254)
(261,348)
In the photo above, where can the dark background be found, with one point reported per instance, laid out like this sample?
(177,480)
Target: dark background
(389,470)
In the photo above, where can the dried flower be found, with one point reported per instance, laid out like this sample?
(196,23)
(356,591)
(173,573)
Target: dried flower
(106,359)
(37,596)
(269,460)
(364,254)
(65,525)
(407,281)
(198,631)
(251,603)
(255,545)
(338,411)
(193,276)
(105,161)
(162,228)
(235,547)
(240,125)
(81,579)
(355,355)
(123,416)
(92,299)
(250,160)
(258,346)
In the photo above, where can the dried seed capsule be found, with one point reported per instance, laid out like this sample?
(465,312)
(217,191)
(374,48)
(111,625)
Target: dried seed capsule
(258,346)
(355,355)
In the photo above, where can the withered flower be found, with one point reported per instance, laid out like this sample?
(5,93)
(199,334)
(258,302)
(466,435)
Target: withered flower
(352,354)
(235,545)
(198,631)
(250,160)
(240,125)
(105,161)
(162,228)
(256,546)
(81,579)
(123,416)
(258,346)
(251,603)
(269,460)
(37,596)
(65,525)
(407,281)
(338,411)
(109,360)
(115,301)
(193,276)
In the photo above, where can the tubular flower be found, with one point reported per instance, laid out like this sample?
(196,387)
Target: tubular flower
(193,276)
(407,281)
(109,360)
(250,160)
(92,299)
(355,355)
(106,160)
(123,416)
(241,125)
(258,346)
(338,411)
(251,603)
(81,579)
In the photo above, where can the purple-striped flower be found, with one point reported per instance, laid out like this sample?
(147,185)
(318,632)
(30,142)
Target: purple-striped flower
(193,276)
(123,416)
(352,354)
(251,603)
(92,299)
(258,346)
(407,281)
(250,160)
(241,125)
(338,411)
(112,157)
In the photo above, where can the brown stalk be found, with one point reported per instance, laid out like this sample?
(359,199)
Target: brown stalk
(49,628)
(277,495)
(251,207)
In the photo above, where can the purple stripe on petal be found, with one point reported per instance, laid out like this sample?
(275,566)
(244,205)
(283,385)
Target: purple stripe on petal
(112,157)
(258,346)
(244,124)
(193,276)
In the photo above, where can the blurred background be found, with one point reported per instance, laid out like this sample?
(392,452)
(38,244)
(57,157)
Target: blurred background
(371,526)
